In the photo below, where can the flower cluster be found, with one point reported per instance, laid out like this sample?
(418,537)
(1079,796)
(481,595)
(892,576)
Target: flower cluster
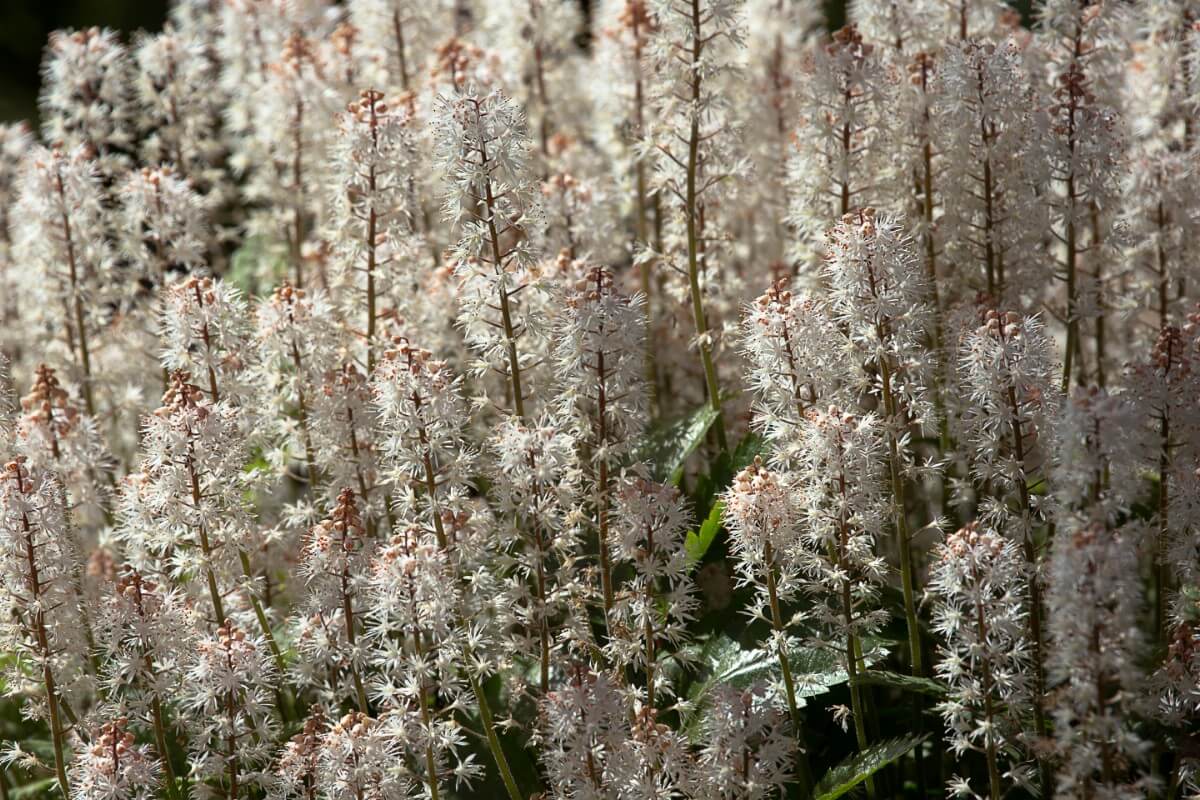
(620,400)
(981,612)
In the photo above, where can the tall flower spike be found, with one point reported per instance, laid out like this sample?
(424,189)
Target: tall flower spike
(358,757)
(371,155)
(184,513)
(459,65)
(164,225)
(879,297)
(793,348)
(483,151)
(763,519)
(779,33)
(994,221)
(979,612)
(622,107)
(37,570)
(534,39)
(112,766)
(837,162)
(342,48)
(747,748)
(1161,94)
(417,648)
(1095,646)
(1176,685)
(146,633)
(297,768)
(292,135)
(1103,442)
(394,35)
(593,745)
(536,491)
(654,758)
(229,696)
(1084,150)
(923,25)
(298,340)
(649,619)
(8,405)
(420,407)
(905,27)
(598,355)
(1007,371)
(582,728)
(54,436)
(15,142)
(61,227)
(334,561)
(919,166)
(248,36)
(174,85)
(205,328)
(1159,100)
(764,527)
(346,439)
(574,222)
(693,50)
(1162,386)
(845,508)
(85,96)
(1162,238)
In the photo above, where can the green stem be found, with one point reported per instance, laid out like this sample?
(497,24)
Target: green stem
(43,644)
(803,767)
(430,761)
(901,523)
(853,648)
(56,732)
(489,728)
(160,741)
(287,707)
(261,615)
(693,239)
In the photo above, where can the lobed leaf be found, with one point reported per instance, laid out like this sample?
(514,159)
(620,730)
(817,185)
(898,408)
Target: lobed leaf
(666,447)
(857,768)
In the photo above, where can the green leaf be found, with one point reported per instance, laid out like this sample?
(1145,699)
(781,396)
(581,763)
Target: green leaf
(666,447)
(751,446)
(860,766)
(814,670)
(257,265)
(42,748)
(905,683)
(698,542)
(258,461)
(722,469)
(39,788)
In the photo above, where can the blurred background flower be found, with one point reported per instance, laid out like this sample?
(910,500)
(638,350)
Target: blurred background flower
(25,24)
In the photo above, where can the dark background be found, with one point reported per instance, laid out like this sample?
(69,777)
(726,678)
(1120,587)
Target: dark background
(25,24)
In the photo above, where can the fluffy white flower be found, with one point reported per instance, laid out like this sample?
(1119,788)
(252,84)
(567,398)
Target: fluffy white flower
(978,584)
(114,767)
